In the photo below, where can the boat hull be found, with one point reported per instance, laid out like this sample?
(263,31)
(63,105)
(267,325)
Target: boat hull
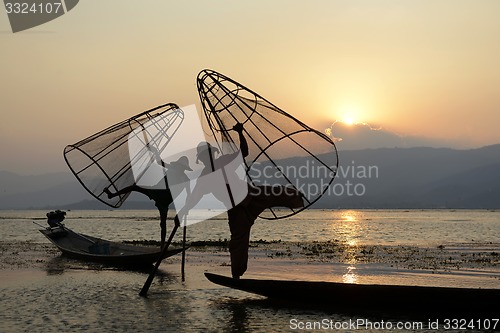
(88,248)
(345,297)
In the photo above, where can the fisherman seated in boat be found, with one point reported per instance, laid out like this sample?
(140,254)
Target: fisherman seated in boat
(162,194)
(242,216)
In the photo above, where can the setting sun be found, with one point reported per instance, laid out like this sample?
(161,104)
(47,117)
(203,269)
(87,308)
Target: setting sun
(349,114)
(348,120)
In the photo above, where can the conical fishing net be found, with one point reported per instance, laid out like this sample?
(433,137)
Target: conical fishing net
(119,156)
(282,150)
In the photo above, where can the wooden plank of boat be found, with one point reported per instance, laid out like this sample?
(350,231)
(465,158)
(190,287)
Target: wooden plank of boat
(355,297)
(85,247)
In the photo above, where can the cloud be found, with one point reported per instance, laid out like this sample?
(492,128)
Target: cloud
(363,136)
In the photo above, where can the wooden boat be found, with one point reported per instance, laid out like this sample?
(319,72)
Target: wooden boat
(85,247)
(435,301)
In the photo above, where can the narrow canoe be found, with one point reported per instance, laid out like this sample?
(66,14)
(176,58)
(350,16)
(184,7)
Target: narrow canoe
(88,248)
(373,298)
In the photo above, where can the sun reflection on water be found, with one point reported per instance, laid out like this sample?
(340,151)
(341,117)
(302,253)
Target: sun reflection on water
(349,215)
(350,276)
(350,227)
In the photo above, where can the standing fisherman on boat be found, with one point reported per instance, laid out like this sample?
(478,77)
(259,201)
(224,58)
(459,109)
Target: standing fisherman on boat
(162,195)
(241,216)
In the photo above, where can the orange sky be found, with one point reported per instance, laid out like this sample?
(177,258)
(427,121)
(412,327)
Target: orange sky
(416,68)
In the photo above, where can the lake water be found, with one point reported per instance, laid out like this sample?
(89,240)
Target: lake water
(363,227)
(42,291)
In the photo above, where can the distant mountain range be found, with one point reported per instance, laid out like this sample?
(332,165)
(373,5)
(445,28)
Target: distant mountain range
(52,191)
(422,178)
(392,178)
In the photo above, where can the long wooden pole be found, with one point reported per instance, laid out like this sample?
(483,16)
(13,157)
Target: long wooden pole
(147,284)
(183,264)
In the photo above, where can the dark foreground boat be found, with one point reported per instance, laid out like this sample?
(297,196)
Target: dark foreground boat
(435,301)
(94,249)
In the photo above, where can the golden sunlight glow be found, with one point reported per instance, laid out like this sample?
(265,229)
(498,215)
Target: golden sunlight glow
(348,121)
(350,228)
(350,215)
(349,114)
(350,276)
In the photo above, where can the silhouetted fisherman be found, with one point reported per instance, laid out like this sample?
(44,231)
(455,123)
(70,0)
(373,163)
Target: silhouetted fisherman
(162,195)
(242,216)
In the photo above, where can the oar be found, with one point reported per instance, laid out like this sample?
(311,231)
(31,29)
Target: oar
(68,230)
(38,224)
(183,263)
(147,284)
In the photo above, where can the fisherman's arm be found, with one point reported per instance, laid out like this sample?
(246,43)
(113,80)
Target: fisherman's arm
(243,141)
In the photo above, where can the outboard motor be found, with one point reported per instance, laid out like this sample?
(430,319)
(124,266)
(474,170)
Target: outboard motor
(55,218)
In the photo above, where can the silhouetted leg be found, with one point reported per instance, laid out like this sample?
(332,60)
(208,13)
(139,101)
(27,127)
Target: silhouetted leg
(239,225)
(163,226)
(124,190)
(242,217)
